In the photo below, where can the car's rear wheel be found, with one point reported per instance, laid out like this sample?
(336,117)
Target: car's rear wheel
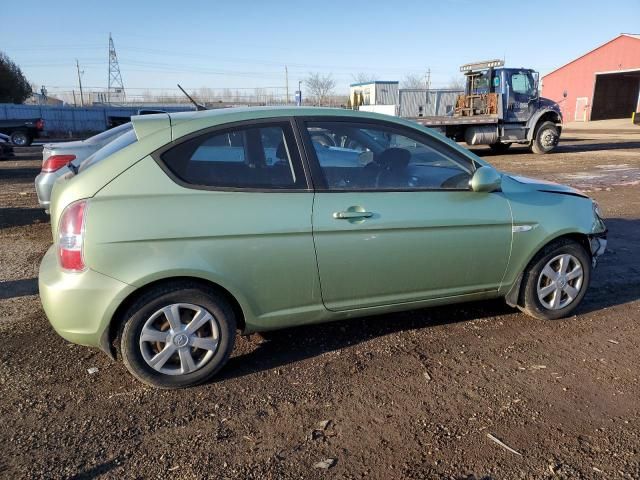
(177,335)
(21,139)
(556,280)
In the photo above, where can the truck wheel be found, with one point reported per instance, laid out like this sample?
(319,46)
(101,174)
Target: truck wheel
(21,139)
(545,139)
(499,147)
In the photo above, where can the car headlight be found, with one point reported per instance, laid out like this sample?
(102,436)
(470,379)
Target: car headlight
(596,209)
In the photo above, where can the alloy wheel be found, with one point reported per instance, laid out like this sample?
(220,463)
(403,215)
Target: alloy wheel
(179,339)
(560,281)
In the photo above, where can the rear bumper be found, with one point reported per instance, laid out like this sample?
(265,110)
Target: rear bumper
(79,306)
(44,185)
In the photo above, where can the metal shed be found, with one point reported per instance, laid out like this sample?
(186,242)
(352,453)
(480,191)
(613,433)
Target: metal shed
(420,102)
(379,92)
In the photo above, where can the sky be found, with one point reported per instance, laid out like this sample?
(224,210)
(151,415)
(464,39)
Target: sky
(243,44)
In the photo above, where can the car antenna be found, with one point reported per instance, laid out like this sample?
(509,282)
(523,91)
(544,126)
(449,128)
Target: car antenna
(199,106)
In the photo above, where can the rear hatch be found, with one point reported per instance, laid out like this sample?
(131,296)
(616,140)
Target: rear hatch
(150,132)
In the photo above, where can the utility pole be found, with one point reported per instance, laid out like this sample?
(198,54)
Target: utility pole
(286,76)
(80,83)
(427,84)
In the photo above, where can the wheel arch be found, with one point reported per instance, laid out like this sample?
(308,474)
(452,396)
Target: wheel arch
(514,296)
(110,335)
(547,115)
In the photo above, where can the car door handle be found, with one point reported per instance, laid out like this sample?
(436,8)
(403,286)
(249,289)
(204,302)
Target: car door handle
(351,215)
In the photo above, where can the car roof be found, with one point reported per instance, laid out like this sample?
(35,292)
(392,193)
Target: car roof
(184,123)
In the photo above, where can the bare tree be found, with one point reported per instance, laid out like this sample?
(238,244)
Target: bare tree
(413,81)
(363,77)
(455,84)
(320,86)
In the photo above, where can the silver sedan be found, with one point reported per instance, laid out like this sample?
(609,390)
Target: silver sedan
(57,156)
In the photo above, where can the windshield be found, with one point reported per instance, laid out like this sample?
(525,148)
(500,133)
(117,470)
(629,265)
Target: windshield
(110,134)
(109,149)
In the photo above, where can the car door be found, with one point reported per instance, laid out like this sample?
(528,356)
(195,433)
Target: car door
(399,223)
(245,215)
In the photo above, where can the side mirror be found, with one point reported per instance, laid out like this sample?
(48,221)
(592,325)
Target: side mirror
(485,179)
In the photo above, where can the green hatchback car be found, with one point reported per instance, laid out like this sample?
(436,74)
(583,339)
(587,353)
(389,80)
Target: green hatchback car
(194,226)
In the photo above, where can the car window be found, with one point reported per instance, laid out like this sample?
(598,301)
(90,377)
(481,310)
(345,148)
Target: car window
(109,149)
(367,157)
(110,134)
(248,157)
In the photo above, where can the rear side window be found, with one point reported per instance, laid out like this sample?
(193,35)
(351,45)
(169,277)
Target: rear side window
(124,140)
(110,134)
(260,157)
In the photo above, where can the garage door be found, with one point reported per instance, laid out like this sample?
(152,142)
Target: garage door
(615,95)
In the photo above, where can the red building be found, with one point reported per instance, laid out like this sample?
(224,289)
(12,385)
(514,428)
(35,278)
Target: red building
(603,83)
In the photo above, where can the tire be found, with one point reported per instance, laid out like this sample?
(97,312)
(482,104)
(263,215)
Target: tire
(21,138)
(536,279)
(545,139)
(146,314)
(499,147)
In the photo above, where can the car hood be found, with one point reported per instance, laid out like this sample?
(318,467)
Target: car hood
(544,185)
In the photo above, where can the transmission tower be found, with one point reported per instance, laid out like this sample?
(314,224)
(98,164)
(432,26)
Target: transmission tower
(115,92)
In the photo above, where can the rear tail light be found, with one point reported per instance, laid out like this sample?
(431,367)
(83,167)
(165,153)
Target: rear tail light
(56,162)
(40,124)
(71,236)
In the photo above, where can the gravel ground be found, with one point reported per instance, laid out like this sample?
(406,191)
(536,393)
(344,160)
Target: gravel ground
(419,394)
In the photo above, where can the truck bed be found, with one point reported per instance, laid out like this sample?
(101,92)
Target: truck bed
(443,121)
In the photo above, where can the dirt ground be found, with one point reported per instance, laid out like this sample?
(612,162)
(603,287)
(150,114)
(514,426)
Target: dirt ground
(410,395)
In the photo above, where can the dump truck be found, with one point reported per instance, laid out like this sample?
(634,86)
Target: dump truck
(501,106)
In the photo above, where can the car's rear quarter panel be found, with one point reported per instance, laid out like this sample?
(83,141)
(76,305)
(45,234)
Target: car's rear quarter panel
(143,227)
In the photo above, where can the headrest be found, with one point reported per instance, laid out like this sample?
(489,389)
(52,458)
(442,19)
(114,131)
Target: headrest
(281,151)
(394,158)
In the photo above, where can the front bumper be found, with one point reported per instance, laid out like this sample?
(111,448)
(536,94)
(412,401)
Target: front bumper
(79,306)
(598,244)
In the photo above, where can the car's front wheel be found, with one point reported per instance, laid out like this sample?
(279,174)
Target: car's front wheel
(556,280)
(177,335)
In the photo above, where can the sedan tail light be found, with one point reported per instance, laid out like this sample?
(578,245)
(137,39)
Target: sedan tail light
(71,236)
(56,162)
